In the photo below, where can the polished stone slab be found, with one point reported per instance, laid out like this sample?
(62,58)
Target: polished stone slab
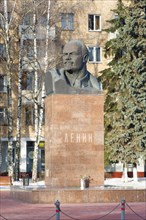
(74,139)
(76,195)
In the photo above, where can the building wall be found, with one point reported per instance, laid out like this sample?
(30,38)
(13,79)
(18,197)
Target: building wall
(81,10)
(91,38)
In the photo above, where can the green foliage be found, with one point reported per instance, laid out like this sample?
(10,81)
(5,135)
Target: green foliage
(106,158)
(125,82)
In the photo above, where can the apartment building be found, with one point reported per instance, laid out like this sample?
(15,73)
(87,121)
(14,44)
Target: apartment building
(73,19)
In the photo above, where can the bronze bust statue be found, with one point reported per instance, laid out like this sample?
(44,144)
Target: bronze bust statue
(74,77)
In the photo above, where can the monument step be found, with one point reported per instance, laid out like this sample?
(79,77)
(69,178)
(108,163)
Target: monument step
(76,195)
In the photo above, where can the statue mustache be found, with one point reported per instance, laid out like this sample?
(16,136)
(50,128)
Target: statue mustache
(68,62)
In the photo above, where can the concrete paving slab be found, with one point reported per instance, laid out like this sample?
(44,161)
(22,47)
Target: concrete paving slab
(12,209)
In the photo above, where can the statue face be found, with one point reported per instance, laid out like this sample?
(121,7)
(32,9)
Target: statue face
(72,57)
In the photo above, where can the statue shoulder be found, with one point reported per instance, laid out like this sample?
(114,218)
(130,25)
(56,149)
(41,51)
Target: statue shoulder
(55,73)
(95,82)
(51,78)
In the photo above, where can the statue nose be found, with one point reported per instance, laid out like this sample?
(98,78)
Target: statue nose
(68,57)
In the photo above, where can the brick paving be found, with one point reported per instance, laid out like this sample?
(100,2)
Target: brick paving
(11,209)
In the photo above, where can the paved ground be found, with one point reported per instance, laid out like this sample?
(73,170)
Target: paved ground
(11,209)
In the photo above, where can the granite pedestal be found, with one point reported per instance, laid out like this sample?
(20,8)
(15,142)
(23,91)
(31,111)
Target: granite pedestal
(49,195)
(74,139)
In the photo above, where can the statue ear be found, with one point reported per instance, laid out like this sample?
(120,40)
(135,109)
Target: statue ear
(85,58)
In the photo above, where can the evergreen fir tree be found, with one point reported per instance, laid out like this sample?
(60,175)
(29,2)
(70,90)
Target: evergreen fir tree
(125,81)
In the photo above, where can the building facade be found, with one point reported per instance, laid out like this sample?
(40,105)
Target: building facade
(72,19)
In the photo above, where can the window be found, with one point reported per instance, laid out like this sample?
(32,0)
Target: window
(3,157)
(3,83)
(94,54)
(67,21)
(9,16)
(42,20)
(27,80)
(94,22)
(2,19)
(43,120)
(2,51)
(40,49)
(28,19)
(30,152)
(3,116)
(28,47)
(29,116)
(113,35)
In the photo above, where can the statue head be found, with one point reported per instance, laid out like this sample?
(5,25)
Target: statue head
(75,56)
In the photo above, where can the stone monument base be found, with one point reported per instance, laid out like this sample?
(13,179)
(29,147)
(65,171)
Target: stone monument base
(74,195)
(74,139)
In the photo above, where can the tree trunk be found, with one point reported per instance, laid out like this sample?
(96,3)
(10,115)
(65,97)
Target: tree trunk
(9,91)
(135,178)
(39,118)
(125,174)
(35,156)
(19,109)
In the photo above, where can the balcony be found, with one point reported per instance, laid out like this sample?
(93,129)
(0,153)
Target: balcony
(3,131)
(27,97)
(3,98)
(26,32)
(3,122)
(28,63)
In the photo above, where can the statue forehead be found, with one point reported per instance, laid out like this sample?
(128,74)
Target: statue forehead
(73,46)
